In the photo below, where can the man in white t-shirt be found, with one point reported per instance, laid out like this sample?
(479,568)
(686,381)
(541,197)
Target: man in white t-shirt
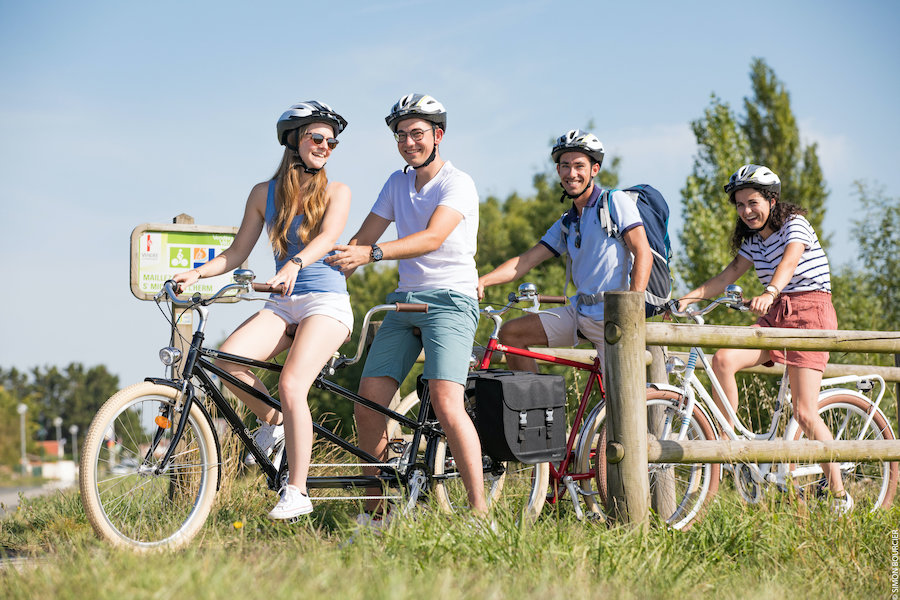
(599,262)
(435,209)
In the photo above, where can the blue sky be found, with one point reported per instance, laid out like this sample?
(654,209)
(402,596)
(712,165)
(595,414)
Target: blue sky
(114,114)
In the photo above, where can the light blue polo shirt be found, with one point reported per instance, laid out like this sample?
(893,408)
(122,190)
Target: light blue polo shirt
(601,263)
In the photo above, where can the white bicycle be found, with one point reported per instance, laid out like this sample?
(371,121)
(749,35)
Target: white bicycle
(687,411)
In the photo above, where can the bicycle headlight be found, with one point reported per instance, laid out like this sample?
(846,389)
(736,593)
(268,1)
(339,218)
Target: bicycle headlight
(169,356)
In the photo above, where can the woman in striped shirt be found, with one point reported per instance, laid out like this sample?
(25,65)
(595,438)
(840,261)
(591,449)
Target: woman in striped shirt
(776,239)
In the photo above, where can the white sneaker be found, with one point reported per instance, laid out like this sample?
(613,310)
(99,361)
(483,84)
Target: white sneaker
(293,503)
(265,437)
(842,505)
(376,523)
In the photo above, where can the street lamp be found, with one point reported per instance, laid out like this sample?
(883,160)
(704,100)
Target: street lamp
(74,431)
(22,409)
(59,446)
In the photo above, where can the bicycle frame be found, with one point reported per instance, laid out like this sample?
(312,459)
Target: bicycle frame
(199,364)
(691,387)
(561,473)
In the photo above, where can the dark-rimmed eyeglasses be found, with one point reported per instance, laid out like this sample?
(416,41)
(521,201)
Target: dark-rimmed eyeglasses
(415,134)
(318,138)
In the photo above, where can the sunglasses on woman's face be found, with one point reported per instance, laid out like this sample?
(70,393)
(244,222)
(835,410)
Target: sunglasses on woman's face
(318,138)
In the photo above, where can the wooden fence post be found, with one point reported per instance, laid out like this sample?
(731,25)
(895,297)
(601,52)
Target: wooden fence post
(662,492)
(626,397)
(183,327)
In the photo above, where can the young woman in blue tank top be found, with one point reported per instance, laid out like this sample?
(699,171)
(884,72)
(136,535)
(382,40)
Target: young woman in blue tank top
(304,214)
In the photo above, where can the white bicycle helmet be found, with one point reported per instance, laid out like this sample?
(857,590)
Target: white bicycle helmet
(755,176)
(576,140)
(421,106)
(307,112)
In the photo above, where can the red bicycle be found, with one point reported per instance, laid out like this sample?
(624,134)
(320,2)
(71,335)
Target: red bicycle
(576,474)
(581,475)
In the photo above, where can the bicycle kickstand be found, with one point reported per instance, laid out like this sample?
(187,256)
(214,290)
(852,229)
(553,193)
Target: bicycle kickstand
(572,488)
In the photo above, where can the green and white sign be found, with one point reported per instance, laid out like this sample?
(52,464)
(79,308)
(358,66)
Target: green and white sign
(159,251)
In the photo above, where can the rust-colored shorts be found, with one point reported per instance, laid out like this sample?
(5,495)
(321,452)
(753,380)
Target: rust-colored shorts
(800,310)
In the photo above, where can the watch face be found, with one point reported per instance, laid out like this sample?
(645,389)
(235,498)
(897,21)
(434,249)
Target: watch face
(377,254)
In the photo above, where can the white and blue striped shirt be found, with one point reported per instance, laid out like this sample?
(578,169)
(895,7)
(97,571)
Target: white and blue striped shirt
(812,272)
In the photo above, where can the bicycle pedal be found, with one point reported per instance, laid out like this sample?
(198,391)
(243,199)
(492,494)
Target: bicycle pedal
(397,445)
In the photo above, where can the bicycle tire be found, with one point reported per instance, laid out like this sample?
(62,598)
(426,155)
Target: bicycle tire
(695,484)
(872,485)
(530,480)
(446,482)
(125,502)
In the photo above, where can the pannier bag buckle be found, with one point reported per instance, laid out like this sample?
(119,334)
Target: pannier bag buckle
(548,419)
(523,419)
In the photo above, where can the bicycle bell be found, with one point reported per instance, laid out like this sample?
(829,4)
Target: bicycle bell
(735,293)
(244,276)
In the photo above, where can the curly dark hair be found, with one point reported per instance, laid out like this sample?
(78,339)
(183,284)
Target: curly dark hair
(781,212)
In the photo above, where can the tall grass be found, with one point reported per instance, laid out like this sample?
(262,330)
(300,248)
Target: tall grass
(775,548)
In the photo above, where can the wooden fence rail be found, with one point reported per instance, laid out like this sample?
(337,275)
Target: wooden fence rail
(772,338)
(630,444)
(776,451)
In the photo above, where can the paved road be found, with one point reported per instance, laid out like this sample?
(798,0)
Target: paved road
(9,496)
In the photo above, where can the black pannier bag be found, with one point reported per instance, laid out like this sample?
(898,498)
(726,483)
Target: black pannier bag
(520,416)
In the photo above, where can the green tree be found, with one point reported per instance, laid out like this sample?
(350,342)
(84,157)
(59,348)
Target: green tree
(878,239)
(774,140)
(74,393)
(9,429)
(766,134)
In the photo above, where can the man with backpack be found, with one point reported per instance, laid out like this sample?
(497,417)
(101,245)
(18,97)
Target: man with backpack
(606,247)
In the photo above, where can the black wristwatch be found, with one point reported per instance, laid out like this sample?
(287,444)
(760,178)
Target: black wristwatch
(297,261)
(376,254)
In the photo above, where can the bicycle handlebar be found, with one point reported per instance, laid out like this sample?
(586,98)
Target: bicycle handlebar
(265,288)
(733,298)
(527,293)
(170,289)
(410,307)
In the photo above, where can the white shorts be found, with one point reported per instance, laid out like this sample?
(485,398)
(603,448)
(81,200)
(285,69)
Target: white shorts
(294,309)
(565,329)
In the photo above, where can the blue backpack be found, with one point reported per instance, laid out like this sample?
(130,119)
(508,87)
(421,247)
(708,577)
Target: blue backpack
(654,213)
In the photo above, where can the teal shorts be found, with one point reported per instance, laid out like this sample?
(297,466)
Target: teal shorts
(448,331)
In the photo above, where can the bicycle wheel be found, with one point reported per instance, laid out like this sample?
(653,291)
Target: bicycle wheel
(871,484)
(126,502)
(683,490)
(522,487)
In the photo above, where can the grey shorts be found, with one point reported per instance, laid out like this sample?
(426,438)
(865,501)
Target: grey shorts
(566,328)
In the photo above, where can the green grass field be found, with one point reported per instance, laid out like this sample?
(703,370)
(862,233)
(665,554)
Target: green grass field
(774,549)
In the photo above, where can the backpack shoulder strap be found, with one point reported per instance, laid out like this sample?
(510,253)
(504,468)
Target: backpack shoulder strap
(605,215)
(564,223)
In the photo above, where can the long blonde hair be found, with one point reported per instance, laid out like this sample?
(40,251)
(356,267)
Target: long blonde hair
(293,197)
